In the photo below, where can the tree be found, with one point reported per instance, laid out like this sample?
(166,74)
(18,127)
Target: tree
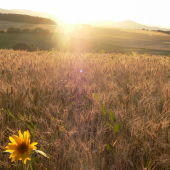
(26,30)
(24,47)
(2,31)
(11,30)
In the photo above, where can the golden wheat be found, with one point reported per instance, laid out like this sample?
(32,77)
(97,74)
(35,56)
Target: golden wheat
(113,114)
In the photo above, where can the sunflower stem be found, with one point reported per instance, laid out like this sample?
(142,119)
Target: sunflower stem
(26,167)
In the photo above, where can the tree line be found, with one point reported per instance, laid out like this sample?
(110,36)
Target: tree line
(26,19)
(166,32)
(38,30)
(24,47)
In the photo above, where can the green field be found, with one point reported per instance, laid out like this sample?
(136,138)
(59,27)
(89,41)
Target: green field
(4,25)
(88,39)
(45,41)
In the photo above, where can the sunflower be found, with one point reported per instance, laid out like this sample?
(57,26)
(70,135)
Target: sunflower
(20,147)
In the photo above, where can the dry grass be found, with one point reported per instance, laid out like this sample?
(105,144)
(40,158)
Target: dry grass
(69,112)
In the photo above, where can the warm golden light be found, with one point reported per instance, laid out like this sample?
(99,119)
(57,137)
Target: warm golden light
(80,11)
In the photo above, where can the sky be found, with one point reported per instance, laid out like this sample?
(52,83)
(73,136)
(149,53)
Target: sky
(149,12)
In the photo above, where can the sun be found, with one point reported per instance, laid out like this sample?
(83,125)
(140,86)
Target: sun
(74,18)
(77,12)
(71,19)
(72,12)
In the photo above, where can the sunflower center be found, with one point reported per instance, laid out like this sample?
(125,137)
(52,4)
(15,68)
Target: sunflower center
(23,147)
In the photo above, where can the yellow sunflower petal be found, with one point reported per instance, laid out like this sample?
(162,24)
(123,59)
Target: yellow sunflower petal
(26,136)
(28,133)
(30,151)
(18,156)
(12,139)
(13,155)
(17,139)
(25,156)
(9,150)
(32,145)
(20,135)
(11,146)
(28,158)
(13,159)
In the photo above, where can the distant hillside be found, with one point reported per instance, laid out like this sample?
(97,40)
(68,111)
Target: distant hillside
(127,24)
(26,19)
(6,11)
(32,13)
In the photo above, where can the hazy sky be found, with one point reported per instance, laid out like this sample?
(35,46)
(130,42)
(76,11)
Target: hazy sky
(150,12)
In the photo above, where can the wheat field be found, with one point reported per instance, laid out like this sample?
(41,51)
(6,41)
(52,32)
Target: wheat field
(87,111)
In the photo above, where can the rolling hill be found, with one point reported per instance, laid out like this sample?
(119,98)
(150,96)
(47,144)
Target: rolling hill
(26,19)
(110,36)
(128,24)
(32,13)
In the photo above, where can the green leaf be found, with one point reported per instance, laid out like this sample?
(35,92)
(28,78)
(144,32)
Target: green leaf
(104,110)
(62,129)
(41,152)
(32,133)
(35,127)
(29,126)
(31,167)
(30,117)
(34,155)
(108,124)
(25,116)
(111,115)
(95,96)
(6,153)
(11,114)
(61,123)
(116,127)
(109,147)
(20,117)
(58,92)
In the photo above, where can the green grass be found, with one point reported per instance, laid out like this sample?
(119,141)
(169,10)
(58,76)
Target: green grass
(90,39)
(43,41)
(4,25)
